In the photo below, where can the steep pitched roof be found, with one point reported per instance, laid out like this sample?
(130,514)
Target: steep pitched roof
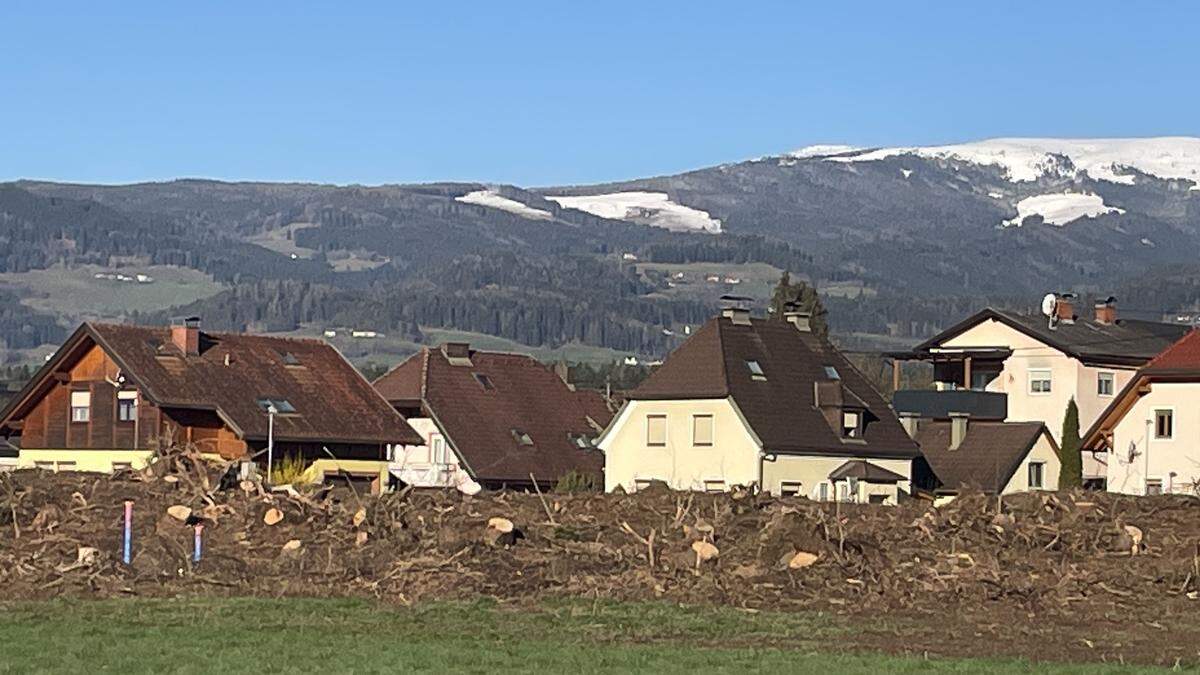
(483,408)
(988,456)
(232,373)
(1124,342)
(780,406)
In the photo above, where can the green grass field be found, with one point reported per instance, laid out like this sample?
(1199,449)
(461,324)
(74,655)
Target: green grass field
(75,292)
(288,635)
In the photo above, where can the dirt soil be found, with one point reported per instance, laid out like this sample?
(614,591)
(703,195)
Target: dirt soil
(1050,576)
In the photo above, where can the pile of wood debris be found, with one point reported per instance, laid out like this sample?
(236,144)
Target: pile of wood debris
(62,535)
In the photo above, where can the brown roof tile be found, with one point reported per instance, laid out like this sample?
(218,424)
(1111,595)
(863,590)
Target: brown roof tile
(781,408)
(524,395)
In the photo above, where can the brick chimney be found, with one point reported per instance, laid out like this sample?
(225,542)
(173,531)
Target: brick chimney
(738,316)
(1065,309)
(1106,310)
(958,429)
(457,353)
(185,335)
(911,422)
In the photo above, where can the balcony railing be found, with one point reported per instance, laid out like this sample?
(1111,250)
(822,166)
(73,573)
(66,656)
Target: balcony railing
(929,403)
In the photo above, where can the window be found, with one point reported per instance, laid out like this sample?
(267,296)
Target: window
(877,499)
(656,430)
(1154,486)
(44,466)
(484,381)
(832,373)
(756,371)
(1037,472)
(1105,383)
(714,486)
(702,430)
(81,406)
(121,466)
(437,446)
(1164,424)
(791,488)
(289,359)
(843,492)
(523,439)
(282,405)
(1039,381)
(851,424)
(641,484)
(126,406)
(823,492)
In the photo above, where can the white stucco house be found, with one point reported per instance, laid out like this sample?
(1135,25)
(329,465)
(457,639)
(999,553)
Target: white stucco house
(1009,366)
(1151,429)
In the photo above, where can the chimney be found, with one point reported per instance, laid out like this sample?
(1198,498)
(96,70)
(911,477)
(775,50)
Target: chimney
(185,334)
(736,309)
(1106,311)
(801,320)
(958,429)
(1064,311)
(739,316)
(911,422)
(563,370)
(457,353)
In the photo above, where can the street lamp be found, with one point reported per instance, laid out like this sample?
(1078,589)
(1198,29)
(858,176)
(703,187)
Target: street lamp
(271,411)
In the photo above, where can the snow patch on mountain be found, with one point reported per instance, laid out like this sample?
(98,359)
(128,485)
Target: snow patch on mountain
(1027,159)
(825,150)
(1060,209)
(654,208)
(495,201)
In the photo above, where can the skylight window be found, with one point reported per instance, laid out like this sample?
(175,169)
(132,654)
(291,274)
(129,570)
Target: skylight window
(289,359)
(832,373)
(282,405)
(484,381)
(522,438)
(756,371)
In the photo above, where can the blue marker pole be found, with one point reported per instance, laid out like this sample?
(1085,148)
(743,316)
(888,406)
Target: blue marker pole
(196,547)
(128,531)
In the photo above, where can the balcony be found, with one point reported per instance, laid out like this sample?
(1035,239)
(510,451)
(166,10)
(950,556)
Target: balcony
(928,403)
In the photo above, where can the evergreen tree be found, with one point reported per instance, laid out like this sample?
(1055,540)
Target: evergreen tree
(1071,475)
(803,297)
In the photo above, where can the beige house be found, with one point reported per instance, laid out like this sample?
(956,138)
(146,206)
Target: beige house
(762,404)
(987,455)
(1032,365)
(1151,430)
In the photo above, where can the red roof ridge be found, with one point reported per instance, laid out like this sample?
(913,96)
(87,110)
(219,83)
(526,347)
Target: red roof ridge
(306,339)
(1183,353)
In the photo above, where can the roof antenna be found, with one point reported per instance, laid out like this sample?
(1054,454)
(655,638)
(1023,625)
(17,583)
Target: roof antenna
(1050,309)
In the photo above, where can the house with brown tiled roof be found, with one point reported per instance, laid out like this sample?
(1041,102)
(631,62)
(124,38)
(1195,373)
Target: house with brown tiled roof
(991,456)
(112,393)
(503,420)
(760,403)
(1151,430)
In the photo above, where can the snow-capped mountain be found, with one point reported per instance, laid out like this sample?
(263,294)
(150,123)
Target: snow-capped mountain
(1116,160)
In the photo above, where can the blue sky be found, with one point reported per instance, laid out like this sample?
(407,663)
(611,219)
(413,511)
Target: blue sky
(547,93)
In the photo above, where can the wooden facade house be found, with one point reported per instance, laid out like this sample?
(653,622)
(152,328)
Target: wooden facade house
(113,393)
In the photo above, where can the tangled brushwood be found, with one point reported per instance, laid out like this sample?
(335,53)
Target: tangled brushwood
(1068,554)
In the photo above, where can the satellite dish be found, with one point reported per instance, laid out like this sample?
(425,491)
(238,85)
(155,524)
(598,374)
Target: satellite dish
(1049,304)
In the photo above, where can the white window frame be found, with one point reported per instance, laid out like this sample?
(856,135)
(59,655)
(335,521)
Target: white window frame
(1112,383)
(855,431)
(1041,470)
(1171,417)
(81,413)
(1158,483)
(712,430)
(823,491)
(437,449)
(128,398)
(665,433)
(715,486)
(1049,379)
